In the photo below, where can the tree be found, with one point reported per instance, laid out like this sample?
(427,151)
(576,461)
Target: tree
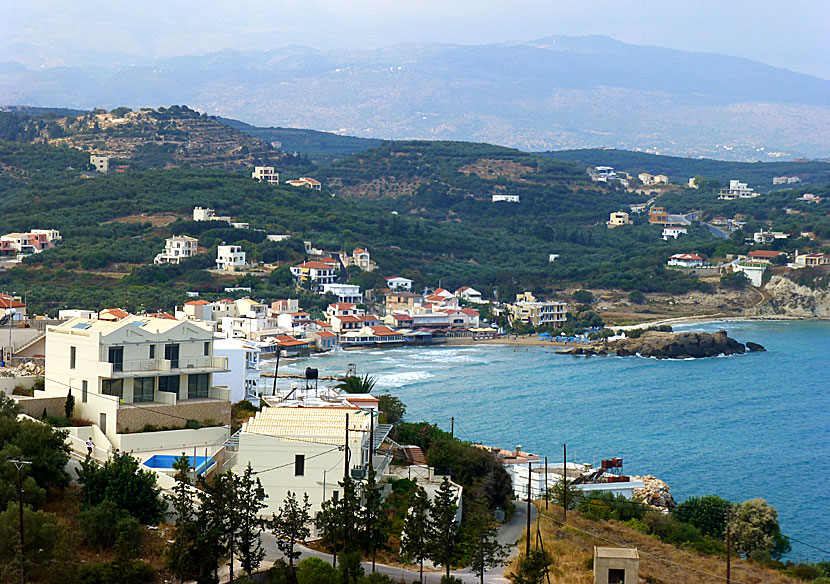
(291,525)
(755,528)
(104,523)
(483,549)
(335,521)
(556,494)
(222,516)
(69,405)
(355,384)
(351,570)
(42,533)
(250,499)
(707,513)
(444,548)
(417,530)
(636,297)
(583,297)
(122,481)
(373,520)
(316,571)
(734,280)
(181,558)
(532,568)
(391,407)
(281,277)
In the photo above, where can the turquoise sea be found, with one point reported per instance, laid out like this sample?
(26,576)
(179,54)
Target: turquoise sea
(745,426)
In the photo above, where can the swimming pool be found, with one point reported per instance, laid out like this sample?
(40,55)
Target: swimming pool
(164,462)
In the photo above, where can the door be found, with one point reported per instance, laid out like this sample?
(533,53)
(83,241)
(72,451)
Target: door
(116,357)
(171,353)
(102,422)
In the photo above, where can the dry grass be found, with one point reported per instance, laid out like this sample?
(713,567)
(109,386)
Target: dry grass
(572,549)
(154,220)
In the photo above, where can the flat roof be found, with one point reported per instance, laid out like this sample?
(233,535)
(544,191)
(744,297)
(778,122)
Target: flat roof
(609,552)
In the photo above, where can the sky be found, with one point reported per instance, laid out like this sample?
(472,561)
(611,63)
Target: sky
(786,33)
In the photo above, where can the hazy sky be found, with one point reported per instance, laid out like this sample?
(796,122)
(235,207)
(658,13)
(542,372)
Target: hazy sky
(786,33)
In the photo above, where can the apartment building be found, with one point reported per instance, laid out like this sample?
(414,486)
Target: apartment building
(266,174)
(539,313)
(176,249)
(230,258)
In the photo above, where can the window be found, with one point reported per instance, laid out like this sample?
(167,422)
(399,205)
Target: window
(336,496)
(112,387)
(169,383)
(171,353)
(116,357)
(152,351)
(616,576)
(207,348)
(197,385)
(143,389)
(72,355)
(299,465)
(84,391)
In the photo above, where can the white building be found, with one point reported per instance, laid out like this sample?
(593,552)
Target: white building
(230,258)
(399,283)
(686,260)
(506,198)
(319,273)
(302,450)
(768,236)
(134,372)
(673,232)
(266,174)
(101,163)
(469,294)
(243,376)
(752,270)
(536,313)
(305,181)
(736,190)
(361,258)
(176,249)
(203,214)
(23,244)
(345,292)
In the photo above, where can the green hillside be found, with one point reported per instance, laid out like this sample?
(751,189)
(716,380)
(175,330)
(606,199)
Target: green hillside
(758,175)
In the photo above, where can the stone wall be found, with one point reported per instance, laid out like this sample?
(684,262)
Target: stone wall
(133,419)
(33,406)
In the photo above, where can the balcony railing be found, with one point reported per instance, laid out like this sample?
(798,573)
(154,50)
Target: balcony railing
(132,367)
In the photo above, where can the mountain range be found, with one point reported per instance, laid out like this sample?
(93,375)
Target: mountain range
(550,94)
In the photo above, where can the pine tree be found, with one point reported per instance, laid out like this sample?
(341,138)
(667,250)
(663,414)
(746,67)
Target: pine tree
(483,549)
(417,532)
(336,520)
(374,522)
(444,545)
(249,499)
(180,557)
(291,525)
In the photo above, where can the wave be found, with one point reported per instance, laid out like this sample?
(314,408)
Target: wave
(402,379)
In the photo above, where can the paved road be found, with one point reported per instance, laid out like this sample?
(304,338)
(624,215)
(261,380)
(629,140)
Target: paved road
(717,232)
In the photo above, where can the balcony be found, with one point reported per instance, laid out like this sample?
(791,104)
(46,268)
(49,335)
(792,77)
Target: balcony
(149,367)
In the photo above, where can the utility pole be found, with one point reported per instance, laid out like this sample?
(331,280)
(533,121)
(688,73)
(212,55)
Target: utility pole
(371,438)
(564,482)
(728,547)
(546,484)
(452,427)
(19,464)
(346,451)
(276,371)
(527,548)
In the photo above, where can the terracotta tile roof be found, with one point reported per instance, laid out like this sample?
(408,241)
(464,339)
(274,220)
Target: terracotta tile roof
(162,315)
(686,256)
(196,303)
(315,265)
(5,301)
(116,312)
(764,253)
(469,312)
(325,334)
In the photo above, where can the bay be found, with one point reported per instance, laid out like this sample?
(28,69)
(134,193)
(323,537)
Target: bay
(745,426)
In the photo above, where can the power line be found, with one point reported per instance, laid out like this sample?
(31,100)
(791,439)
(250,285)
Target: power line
(291,463)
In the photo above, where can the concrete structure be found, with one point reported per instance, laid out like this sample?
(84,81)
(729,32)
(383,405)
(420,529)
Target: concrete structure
(266,174)
(317,272)
(200,214)
(692,184)
(469,294)
(736,190)
(243,375)
(673,232)
(752,270)
(617,219)
(301,449)
(345,292)
(764,256)
(136,371)
(176,249)
(399,283)
(785,180)
(284,305)
(535,313)
(403,301)
(230,258)
(616,565)
(768,236)
(506,198)
(658,215)
(552,257)
(812,259)
(101,163)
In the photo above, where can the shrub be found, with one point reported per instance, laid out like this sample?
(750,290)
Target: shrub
(105,524)
(121,481)
(636,297)
(707,513)
(192,424)
(316,571)
(23,390)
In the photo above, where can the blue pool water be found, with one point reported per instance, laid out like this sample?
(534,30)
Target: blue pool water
(166,461)
(745,426)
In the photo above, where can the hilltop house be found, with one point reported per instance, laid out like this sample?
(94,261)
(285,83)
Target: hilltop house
(768,236)
(658,215)
(305,181)
(230,258)
(318,272)
(403,301)
(736,190)
(812,259)
(361,259)
(101,163)
(23,244)
(344,292)
(673,232)
(764,256)
(137,372)
(686,260)
(469,294)
(505,198)
(266,174)
(176,249)
(617,219)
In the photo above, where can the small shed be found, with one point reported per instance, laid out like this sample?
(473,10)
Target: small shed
(616,565)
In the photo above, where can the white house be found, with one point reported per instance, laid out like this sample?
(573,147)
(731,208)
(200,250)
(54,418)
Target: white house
(361,258)
(344,292)
(266,174)
(752,270)
(768,236)
(343,309)
(203,214)
(399,283)
(305,181)
(736,190)
(230,258)
(243,375)
(101,163)
(34,241)
(686,260)
(506,198)
(673,232)
(319,273)
(469,294)
(176,249)
(303,450)
(137,371)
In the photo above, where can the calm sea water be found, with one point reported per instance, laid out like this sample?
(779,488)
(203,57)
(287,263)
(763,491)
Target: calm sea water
(745,426)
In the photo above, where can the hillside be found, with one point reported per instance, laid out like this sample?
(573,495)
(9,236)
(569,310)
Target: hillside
(758,175)
(552,93)
(173,136)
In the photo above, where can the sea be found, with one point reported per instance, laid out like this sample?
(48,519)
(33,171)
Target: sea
(741,427)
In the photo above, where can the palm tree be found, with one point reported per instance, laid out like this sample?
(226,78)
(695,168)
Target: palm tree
(355,384)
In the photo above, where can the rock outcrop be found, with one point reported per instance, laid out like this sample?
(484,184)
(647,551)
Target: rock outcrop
(655,493)
(788,298)
(668,346)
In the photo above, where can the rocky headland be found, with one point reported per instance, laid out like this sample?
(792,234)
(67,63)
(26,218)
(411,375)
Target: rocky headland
(668,346)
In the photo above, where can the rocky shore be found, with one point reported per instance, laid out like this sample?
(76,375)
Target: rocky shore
(662,345)
(655,493)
